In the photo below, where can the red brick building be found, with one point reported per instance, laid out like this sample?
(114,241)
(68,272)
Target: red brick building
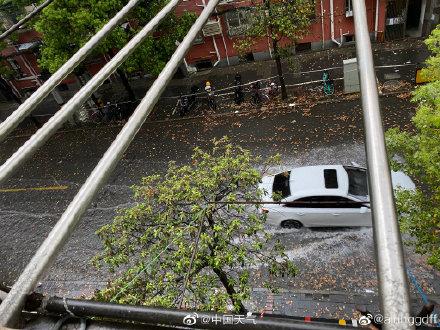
(332,26)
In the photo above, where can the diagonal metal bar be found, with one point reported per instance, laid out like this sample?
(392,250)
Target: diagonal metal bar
(11,307)
(44,133)
(41,93)
(24,20)
(393,284)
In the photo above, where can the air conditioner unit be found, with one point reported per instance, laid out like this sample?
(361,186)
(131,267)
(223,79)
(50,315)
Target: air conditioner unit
(395,20)
(29,9)
(349,13)
(212,28)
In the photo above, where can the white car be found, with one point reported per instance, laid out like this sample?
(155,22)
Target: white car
(322,196)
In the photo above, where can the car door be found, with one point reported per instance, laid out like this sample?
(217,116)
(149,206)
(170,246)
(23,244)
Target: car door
(296,210)
(320,212)
(347,212)
(328,211)
(307,210)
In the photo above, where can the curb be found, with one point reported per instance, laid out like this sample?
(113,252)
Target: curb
(222,114)
(435,297)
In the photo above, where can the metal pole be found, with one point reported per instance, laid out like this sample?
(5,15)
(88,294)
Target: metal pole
(175,317)
(11,307)
(41,93)
(49,128)
(393,284)
(24,20)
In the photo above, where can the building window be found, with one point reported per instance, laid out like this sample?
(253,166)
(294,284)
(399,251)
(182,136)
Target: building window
(303,47)
(203,65)
(349,38)
(238,21)
(16,67)
(198,39)
(248,57)
(348,8)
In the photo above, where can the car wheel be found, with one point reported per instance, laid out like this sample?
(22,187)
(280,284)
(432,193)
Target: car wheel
(291,224)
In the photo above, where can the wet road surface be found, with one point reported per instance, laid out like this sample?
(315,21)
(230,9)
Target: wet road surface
(34,199)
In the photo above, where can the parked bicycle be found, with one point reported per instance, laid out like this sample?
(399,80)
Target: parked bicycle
(257,95)
(182,105)
(273,90)
(262,95)
(328,84)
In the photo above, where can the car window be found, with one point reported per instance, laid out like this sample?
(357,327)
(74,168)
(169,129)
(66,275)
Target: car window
(357,181)
(281,184)
(324,202)
(302,202)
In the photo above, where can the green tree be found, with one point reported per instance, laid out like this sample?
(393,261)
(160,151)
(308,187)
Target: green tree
(419,211)
(67,25)
(12,11)
(189,241)
(283,22)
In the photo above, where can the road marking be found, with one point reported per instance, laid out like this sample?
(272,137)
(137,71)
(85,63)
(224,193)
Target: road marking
(48,188)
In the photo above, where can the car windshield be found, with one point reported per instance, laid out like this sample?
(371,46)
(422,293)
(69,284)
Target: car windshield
(281,184)
(357,181)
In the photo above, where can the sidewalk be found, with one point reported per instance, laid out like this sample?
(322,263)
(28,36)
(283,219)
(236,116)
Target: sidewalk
(322,304)
(399,52)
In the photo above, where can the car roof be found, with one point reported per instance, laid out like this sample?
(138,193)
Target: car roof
(309,181)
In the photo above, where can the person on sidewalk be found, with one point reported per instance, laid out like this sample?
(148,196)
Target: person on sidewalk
(211,96)
(106,111)
(238,90)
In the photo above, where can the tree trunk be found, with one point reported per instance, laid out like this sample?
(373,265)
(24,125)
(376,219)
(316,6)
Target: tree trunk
(223,276)
(276,53)
(229,289)
(82,84)
(279,69)
(126,84)
(124,80)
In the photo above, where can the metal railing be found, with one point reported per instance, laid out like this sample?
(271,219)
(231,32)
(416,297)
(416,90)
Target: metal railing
(25,19)
(42,92)
(45,255)
(44,133)
(392,280)
(393,285)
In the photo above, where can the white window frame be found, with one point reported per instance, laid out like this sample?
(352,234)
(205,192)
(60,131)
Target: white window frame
(348,8)
(236,30)
(17,68)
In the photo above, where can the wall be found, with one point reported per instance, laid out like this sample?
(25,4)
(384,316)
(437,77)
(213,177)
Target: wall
(319,36)
(219,47)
